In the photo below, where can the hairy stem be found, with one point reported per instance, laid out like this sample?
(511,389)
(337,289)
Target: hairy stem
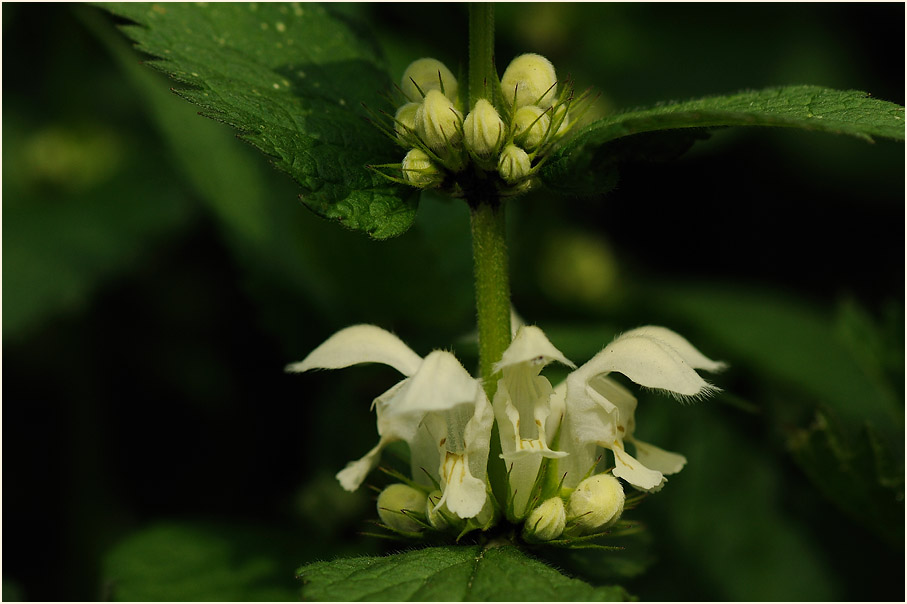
(489,249)
(481,50)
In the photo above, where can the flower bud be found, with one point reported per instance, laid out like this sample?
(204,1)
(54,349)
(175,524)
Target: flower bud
(437,122)
(546,522)
(396,498)
(596,502)
(483,129)
(419,170)
(427,74)
(532,79)
(404,121)
(530,123)
(514,164)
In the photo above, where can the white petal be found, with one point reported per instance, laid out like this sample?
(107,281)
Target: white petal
(477,435)
(441,383)
(522,474)
(424,453)
(464,494)
(557,405)
(657,458)
(621,399)
(531,345)
(649,362)
(687,351)
(360,344)
(633,471)
(592,417)
(355,472)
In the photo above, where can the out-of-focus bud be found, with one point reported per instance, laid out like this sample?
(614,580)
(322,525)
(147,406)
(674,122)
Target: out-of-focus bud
(530,124)
(514,164)
(597,502)
(531,78)
(427,74)
(419,170)
(404,119)
(437,122)
(483,129)
(546,522)
(396,498)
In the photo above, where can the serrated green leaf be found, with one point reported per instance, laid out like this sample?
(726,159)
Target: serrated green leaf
(592,149)
(291,79)
(448,574)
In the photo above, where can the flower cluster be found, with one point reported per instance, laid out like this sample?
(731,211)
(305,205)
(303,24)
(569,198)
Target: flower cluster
(504,137)
(559,483)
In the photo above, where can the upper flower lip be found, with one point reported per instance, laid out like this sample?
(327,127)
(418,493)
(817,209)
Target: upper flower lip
(531,346)
(360,344)
(653,357)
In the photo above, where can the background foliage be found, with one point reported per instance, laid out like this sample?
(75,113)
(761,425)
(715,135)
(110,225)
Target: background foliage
(159,273)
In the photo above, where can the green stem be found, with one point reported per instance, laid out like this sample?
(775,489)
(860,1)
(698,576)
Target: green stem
(481,49)
(489,243)
(489,249)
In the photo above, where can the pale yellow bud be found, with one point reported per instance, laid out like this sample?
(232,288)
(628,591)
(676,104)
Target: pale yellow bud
(483,129)
(546,522)
(437,122)
(405,118)
(514,164)
(427,74)
(532,79)
(596,502)
(396,498)
(530,124)
(419,170)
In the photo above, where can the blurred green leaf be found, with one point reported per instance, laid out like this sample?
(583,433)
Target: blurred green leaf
(724,516)
(846,426)
(856,472)
(291,79)
(64,238)
(201,562)
(448,574)
(807,107)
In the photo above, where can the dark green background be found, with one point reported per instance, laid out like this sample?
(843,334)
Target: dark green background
(151,437)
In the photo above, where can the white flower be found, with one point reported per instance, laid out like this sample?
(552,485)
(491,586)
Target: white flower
(599,412)
(521,407)
(438,409)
